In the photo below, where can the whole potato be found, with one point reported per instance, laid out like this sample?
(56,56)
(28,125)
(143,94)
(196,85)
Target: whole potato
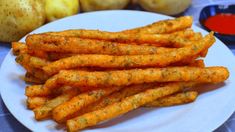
(56,9)
(95,5)
(19,17)
(168,7)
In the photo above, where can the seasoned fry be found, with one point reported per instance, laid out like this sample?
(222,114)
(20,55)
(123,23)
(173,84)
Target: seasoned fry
(124,106)
(53,56)
(18,48)
(67,109)
(29,78)
(187,34)
(197,63)
(116,97)
(171,100)
(133,61)
(35,62)
(186,62)
(160,27)
(34,102)
(196,37)
(180,98)
(38,53)
(38,73)
(60,44)
(204,53)
(153,39)
(190,62)
(137,76)
(22,48)
(38,91)
(164,26)
(45,111)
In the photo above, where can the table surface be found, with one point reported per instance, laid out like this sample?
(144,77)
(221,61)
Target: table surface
(10,124)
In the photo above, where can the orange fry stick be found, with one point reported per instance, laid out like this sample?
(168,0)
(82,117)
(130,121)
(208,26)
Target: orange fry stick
(172,40)
(176,99)
(116,97)
(38,91)
(64,111)
(30,78)
(164,26)
(45,111)
(19,48)
(137,76)
(132,61)
(122,107)
(60,44)
(35,62)
(34,102)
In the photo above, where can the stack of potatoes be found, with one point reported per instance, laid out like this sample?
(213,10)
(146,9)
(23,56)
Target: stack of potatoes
(19,17)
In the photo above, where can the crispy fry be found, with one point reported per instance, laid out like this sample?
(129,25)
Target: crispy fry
(35,62)
(60,44)
(34,102)
(172,40)
(29,78)
(137,76)
(197,63)
(164,26)
(22,48)
(39,91)
(133,61)
(124,106)
(36,90)
(64,111)
(19,48)
(204,53)
(196,37)
(116,97)
(190,62)
(45,111)
(176,99)
(53,56)
(187,33)
(36,72)
(160,27)
(38,53)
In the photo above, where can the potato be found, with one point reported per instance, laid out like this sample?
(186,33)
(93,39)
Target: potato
(168,7)
(94,5)
(19,17)
(56,9)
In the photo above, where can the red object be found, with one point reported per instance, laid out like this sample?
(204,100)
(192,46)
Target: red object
(221,23)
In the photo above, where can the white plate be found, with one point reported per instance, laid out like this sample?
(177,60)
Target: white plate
(206,114)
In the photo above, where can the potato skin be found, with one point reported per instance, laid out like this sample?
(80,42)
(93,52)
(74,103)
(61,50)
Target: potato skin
(56,9)
(95,5)
(168,7)
(19,17)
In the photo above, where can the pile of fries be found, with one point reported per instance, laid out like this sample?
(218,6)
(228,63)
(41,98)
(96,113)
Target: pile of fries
(83,77)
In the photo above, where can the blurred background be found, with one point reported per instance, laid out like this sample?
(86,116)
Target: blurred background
(19,17)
